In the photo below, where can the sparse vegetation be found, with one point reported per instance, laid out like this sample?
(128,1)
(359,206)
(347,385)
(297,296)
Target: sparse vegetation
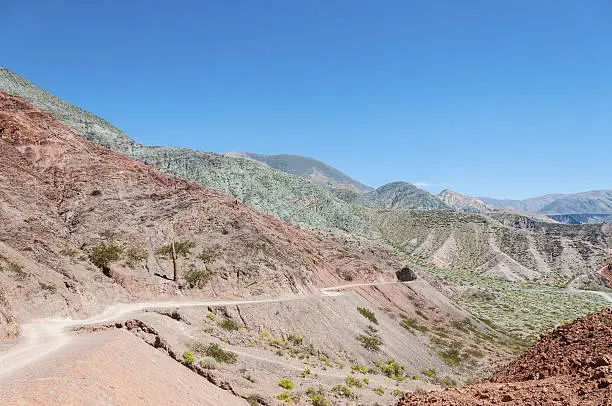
(370,340)
(188,357)
(447,382)
(208,363)
(368,314)
(360,368)
(295,339)
(285,383)
(211,316)
(317,396)
(430,372)
(207,255)
(103,254)
(391,369)
(451,357)
(135,255)
(255,399)
(229,325)
(49,287)
(344,391)
(182,248)
(352,381)
(228,357)
(379,391)
(197,278)
(397,393)
(411,324)
(286,397)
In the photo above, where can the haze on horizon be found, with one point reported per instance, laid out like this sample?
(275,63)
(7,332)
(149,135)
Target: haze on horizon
(508,100)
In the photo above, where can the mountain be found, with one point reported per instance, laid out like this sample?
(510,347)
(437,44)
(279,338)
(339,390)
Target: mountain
(267,190)
(581,218)
(404,196)
(595,201)
(464,203)
(309,168)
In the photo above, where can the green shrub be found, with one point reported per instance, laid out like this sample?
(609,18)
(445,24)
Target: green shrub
(451,356)
(370,342)
(136,254)
(207,255)
(360,368)
(221,355)
(344,391)
(285,383)
(430,372)
(197,278)
(391,369)
(211,316)
(188,357)
(316,396)
(102,255)
(305,372)
(379,391)
(447,382)
(295,339)
(398,393)
(286,397)
(352,381)
(411,324)
(229,325)
(208,363)
(368,314)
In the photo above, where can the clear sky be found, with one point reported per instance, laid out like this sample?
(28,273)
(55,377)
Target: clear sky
(495,98)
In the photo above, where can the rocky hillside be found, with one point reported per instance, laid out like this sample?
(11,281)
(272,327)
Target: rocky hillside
(507,246)
(262,188)
(584,218)
(595,201)
(464,203)
(404,196)
(82,226)
(571,365)
(309,168)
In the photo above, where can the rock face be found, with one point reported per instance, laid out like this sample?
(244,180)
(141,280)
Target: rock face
(464,203)
(571,365)
(406,274)
(67,204)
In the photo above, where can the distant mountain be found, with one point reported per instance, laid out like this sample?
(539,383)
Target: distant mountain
(309,168)
(464,203)
(582,218)
(405,196)
(595,201)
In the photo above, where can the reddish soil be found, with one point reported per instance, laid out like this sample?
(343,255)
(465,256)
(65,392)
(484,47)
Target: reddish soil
(572,365)
(606,271)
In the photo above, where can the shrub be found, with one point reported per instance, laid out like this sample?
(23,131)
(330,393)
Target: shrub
(69,252)
(344,391)
(411,324)
(229,325)
(102,255)
(47,286)
(430,372)
(391,369)
(351,381)
(286,397)
(188,357)
(197,278)
(211,316)
(368,314)
(447,382)
(398,393)
(316,396)
(305,372)
(295,339)
(221,355)
(285,383)
(359,368)
(379,391)
(370,342)
(208,363)
(255,399)
(207,255)
(451,356)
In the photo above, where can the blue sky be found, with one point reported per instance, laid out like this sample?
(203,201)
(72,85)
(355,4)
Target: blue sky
(496,98)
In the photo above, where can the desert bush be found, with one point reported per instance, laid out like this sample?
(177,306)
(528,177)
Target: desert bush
(352,381)
(344,391)
(430,372)
(391,369)
(379,391)
(207,255)
(197,278)
(208,363)
(411,324)
(447,382)
(102,255)
(285,383)
(229,325)
(49,287)
(255,399)
(316,396)
(286,397)
(370,342)
(188,357)
(135,255)
(398,393)
(295,339)
(359,368)
(368,314)
(221,355)
(451,356)
(305,372)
